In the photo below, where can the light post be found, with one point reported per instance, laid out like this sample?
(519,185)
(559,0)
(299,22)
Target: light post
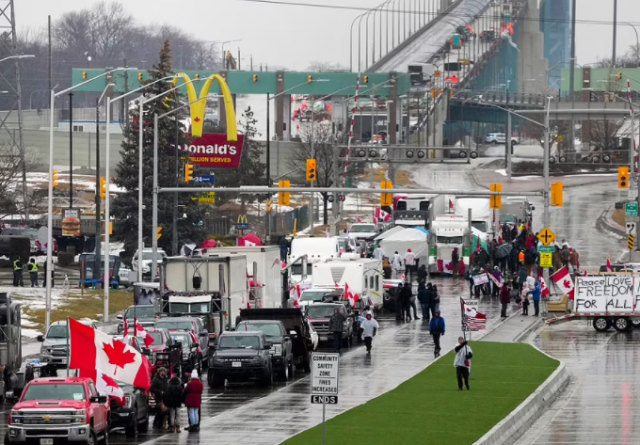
(48,272)
(107,177)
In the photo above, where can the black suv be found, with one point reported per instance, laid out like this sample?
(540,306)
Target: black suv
(319,315)
(134,415)
(241,356)
(280,342)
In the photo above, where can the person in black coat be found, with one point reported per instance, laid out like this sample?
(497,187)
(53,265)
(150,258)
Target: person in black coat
(173,401)
(424,297)
(405,300)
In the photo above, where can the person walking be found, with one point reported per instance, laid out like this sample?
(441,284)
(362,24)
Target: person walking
(505,299)
(409,264)
(396,264)
(159,389)
(405,297)
(17,273)
(424,295)
(535,294)
(497,275)
(369,330)
(193,400)
(437,329)
(336,325)
(174,401)
(32,267)
(435,300)
(525,304)
(462,362)
(455,259)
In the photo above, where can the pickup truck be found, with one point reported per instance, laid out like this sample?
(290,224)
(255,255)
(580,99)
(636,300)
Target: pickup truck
(279,340)
(296,328)
(54,409)
(319,315)
(241,356)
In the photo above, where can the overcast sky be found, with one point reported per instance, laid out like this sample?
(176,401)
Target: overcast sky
(293,36)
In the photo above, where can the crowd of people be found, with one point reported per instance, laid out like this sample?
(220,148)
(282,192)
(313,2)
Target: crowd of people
(170,394)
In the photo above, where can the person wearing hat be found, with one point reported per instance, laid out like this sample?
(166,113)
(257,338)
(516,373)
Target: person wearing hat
(159,389)
(409,263)
(437,329)
(193,400)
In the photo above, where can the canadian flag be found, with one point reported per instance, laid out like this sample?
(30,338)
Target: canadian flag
(139,331)
(353,299)
(105,384)
(543,287)
(294,293)
(244,243)
(381,215)
(563,279)
(91,349)
(447,267)
(451,206)
(609,268)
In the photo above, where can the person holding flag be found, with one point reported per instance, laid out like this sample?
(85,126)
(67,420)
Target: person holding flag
(462,362)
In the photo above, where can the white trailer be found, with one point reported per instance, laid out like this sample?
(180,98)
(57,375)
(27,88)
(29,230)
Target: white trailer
(416,210)
(224,273)
(448,233)
(481,212)
(317,250)
(608,300)
(364,277)
(269,270)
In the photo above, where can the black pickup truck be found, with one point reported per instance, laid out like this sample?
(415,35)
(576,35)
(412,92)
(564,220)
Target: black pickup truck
(296,328)
(239,357)
(279,340)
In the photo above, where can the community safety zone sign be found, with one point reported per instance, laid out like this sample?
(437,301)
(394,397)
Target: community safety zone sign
(618,294)
(324,378)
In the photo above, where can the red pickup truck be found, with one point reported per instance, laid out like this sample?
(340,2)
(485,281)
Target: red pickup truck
(57,409)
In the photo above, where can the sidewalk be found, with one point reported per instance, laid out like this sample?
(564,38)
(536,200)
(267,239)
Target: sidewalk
(400,351)
(514,328)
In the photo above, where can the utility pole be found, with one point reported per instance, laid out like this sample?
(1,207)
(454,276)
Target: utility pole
(572,71)
(96,272)
(546,220)
(70,150)
(313,156)
(174,231)
(615,31)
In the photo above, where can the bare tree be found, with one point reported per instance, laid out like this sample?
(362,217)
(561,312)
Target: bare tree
(604,134)
(328,67)
(11,198)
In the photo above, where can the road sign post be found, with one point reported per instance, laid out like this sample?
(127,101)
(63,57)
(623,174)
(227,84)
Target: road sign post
(546,259)
(631,209)
(546,236)
(324,383)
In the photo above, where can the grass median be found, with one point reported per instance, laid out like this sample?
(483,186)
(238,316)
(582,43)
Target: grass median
(77,305)
(428,408)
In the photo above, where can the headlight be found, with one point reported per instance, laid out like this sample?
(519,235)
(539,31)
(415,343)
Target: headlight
(218,360)
(16,417)
(277,349)
(256,360)
(185,356)
(80,416)
(128,400)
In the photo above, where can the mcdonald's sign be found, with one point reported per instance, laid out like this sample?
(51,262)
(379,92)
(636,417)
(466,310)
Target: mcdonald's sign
(211,150)
(243,223)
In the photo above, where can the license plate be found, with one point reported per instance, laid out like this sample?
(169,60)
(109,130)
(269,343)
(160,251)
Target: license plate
(46,441)
(236,365)
(64,362)
(324,338)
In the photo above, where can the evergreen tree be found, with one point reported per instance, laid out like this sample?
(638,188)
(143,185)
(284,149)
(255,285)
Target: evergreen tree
(125,206)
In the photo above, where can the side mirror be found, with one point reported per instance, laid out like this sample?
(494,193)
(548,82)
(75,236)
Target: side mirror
(146,351)
(533,208)
(99,399)
(119,316)
(266,347)
(293,333)
(204,334)
(40,338)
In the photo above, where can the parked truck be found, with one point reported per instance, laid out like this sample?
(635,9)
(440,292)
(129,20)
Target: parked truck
(418,210)
(449,232)
(363,276)
(481,217)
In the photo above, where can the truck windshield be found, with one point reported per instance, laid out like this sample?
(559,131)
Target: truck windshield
(184,339)
(450,240)
(316,311)
(63,391)
(268,329)
(363,228)
(480,225)
(190,308)
(174,325)
(296,269)
(239,342)
(313,295)
(57,331)
(140,312)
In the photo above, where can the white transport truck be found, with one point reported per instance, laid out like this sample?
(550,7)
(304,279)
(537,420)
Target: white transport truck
(481,213)
(316,249)
(416,210)
(364,277)
(448,232)
(608,300)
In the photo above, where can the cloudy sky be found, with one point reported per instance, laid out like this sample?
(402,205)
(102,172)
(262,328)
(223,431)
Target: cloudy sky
(294,36)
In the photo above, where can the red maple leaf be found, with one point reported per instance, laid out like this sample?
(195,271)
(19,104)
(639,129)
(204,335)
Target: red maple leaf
(118,355)
(566,284)
(110,382)
(197,119)
(449,266)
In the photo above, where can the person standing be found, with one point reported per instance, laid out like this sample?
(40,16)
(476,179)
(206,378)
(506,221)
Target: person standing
(44,274)
(159,389)
(462,362)
(17,273)
(434,305)
(396,264)
(379,253)
(369,330)
(505,299)
(525,304)
(174,402)
(405,295)
(424,295)
(284,249)
(437,329)
(398,300)
(409,264)
(455,259)
(32,267)
(336,325)
(535,293)
(193,400)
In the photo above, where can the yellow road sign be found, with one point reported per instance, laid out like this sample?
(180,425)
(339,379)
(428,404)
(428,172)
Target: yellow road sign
(547,237)
(546,259)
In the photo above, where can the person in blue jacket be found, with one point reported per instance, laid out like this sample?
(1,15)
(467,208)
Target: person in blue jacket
(536,293)
(436,329)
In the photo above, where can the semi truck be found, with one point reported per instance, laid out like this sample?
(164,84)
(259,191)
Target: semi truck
(449,232)
(363,276)
(418,210)
(481,213)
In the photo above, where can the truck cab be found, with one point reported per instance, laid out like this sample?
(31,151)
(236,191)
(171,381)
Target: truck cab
(54,408)
(241,356)
(449,232)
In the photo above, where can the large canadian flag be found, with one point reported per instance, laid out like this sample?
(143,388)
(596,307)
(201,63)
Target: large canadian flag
(94,350)
(105,384)
(563,279)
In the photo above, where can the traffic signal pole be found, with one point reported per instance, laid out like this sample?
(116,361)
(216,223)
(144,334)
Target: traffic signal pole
(154,218)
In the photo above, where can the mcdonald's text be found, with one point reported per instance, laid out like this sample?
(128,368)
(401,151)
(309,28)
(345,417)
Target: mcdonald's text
(214,150)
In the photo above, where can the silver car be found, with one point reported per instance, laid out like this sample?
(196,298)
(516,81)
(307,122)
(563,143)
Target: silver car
(55,342)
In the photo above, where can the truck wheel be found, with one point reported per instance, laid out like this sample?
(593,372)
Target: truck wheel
(622,324)
(131,430)
(601,324)
(215,380)
(291,368)
(635,323)
(306,364)
(144,426)
(284,373)
(267,380)
(92,440)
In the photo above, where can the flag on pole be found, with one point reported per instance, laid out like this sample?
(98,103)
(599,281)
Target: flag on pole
(563,280)
(472,320)
(125,329)
(543,287)
(609,268)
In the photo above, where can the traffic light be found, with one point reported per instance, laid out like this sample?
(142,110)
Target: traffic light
(197,76)
(255,78)
(55,178)
(312,173)
(623,177)
(188,173)
(84,75)
(556,194)
(496,200)
(365,79)
(386,199)
(619,75)
(309,78)
(140,76)
(268,206)
(159,232)
(284,197)
(103,189)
